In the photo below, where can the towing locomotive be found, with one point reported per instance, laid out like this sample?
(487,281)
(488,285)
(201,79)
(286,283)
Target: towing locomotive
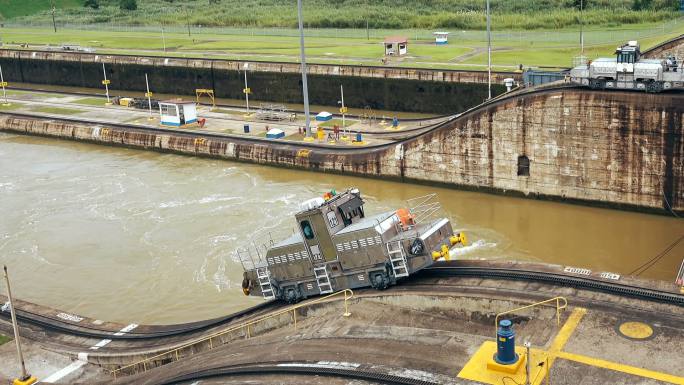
(336,246)
(629,71)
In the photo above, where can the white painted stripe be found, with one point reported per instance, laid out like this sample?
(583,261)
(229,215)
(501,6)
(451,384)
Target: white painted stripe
(100,344)
(126,329)
(56,376)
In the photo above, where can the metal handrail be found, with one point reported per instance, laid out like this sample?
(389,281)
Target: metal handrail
(680,275)
(348,295)
(559,307)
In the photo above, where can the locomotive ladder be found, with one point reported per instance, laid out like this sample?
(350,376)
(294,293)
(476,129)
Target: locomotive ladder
(323,280)
(397,259)
(264,278)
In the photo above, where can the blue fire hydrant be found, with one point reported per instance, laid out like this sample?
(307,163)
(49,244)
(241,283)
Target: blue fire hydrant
(505,344)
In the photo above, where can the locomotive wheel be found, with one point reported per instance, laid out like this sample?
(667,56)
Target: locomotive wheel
(292,295)
(379,280)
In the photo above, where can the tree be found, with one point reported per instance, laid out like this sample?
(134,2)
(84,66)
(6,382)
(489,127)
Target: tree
(129,5)
(94,4)
(642,5)
(582,4)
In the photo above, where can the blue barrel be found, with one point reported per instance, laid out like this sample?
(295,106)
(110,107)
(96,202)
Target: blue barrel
(359,138)
(246,127)
(505,344)
(395,122)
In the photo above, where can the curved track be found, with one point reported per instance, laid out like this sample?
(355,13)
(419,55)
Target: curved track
(444,269)
(286,368)
(559,279)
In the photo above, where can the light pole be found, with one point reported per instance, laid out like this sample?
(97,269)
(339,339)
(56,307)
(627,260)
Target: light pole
(305,89)
(106,83)
(343,109)
(25,377)
(3,83)
(163,38)
(489,54)
(247,90)
(54,24)
(582,26)
(149,96)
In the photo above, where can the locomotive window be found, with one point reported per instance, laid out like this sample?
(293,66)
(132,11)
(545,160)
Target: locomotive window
(307,230)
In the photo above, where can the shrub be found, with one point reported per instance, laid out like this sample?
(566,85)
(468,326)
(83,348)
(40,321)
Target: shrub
(94,4)
(128,5)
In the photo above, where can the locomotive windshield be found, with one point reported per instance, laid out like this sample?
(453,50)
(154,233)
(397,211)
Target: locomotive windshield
(626,57)
(307,230)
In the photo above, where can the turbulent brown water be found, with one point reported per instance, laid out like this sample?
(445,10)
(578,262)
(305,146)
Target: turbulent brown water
(135,236)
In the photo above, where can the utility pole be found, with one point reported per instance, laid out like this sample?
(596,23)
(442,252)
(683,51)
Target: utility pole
(54,24)
(305,89)
(582,27)
(149,96)
(247,90)
(187,19)
(25,378)
(163,38)
(106,82)
(489,54)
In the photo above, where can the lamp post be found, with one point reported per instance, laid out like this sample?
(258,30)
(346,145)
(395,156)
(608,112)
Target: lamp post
(106,83)
(25,377)
(305,89)
(149,96)
(3,83)
(489,54)
(582,26)
(247,90)
(343,109)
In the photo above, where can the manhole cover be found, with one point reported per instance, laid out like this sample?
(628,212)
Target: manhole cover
(635,330)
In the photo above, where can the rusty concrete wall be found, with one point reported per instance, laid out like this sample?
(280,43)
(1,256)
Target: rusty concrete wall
(615,149)
(674,46)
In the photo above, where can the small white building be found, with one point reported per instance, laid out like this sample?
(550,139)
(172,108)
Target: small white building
(396,46)
(441,38)
(177,112)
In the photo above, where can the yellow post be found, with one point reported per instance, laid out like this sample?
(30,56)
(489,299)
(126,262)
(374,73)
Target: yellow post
(346,306)
(294,317)
(177,355)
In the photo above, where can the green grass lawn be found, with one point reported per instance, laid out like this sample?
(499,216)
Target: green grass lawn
(13,106)
(4,339)
(57,110)
(466,49)
(14,8)
(91,101)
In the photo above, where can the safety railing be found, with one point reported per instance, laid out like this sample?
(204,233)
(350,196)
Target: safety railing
(557,300)
(247,327)
(680,276)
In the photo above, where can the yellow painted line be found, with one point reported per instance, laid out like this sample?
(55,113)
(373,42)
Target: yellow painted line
(621,368)
(567,329)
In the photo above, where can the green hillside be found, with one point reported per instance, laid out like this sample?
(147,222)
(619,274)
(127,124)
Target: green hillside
(391,14)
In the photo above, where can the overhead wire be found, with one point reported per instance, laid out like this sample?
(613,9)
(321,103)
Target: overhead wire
(651,262)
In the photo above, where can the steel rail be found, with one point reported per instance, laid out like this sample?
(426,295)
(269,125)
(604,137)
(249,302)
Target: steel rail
(165,331)
(299,369)
(333,149)
(99,95)
(559,279)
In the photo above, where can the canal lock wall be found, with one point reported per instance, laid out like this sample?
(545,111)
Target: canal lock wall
(616,149)
(380,88)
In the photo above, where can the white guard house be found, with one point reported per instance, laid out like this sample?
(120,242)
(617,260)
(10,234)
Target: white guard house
(177,112)
(441,38)
(396,45)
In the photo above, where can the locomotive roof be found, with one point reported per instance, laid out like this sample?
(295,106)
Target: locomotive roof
(366,222)
(289,241)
